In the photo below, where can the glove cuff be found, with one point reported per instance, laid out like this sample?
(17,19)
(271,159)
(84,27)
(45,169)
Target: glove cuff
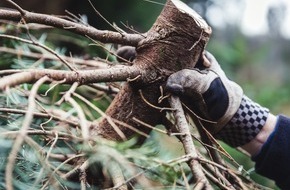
(246,123)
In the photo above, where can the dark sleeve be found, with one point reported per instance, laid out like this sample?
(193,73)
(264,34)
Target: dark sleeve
(273,161)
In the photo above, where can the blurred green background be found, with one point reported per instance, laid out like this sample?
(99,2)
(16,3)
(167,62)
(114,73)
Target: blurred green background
(249,39)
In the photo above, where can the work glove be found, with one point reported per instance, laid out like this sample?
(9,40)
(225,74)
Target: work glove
(126,53)
(218,102)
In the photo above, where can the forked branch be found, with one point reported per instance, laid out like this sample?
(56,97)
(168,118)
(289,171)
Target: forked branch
(183,129)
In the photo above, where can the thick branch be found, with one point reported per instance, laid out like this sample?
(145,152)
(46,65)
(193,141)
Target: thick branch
(120,73)
(175,41)
(104,36)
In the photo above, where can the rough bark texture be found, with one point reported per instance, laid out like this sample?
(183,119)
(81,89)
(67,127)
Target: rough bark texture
(174,42)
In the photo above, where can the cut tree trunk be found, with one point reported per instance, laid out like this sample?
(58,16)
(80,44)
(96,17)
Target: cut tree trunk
(175,42)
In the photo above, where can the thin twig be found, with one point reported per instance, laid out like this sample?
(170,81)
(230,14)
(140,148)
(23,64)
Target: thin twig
(218,175)
(56,83)
(77,18)
(154,2)
(153,106)
(198,117)
(133,79)
(109,51)
(52,146)
(195,43)
(149,126)
(59,166)
(44,123)
(131,128)
(98,13)
(68,93)
(21,11)
(215,180)
(132,29)
(219,147)
(162,96)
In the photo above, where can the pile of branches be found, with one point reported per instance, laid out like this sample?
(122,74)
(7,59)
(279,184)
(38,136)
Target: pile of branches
(76,118)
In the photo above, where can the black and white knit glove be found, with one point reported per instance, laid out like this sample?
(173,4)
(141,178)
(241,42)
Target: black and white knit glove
(212,96)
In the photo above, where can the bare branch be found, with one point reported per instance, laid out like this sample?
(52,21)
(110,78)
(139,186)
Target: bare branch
(23,131)
(104,36)
(119,73)
(187,142)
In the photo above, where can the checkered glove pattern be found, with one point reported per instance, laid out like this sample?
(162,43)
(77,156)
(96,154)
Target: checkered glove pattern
(245,124)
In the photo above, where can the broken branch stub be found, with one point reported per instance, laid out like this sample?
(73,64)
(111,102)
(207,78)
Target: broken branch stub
(175,42)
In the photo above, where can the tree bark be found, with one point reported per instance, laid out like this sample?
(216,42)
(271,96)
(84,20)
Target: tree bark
(175,42)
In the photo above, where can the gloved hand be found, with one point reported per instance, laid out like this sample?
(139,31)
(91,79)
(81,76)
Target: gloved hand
(212,96)
(126,53)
